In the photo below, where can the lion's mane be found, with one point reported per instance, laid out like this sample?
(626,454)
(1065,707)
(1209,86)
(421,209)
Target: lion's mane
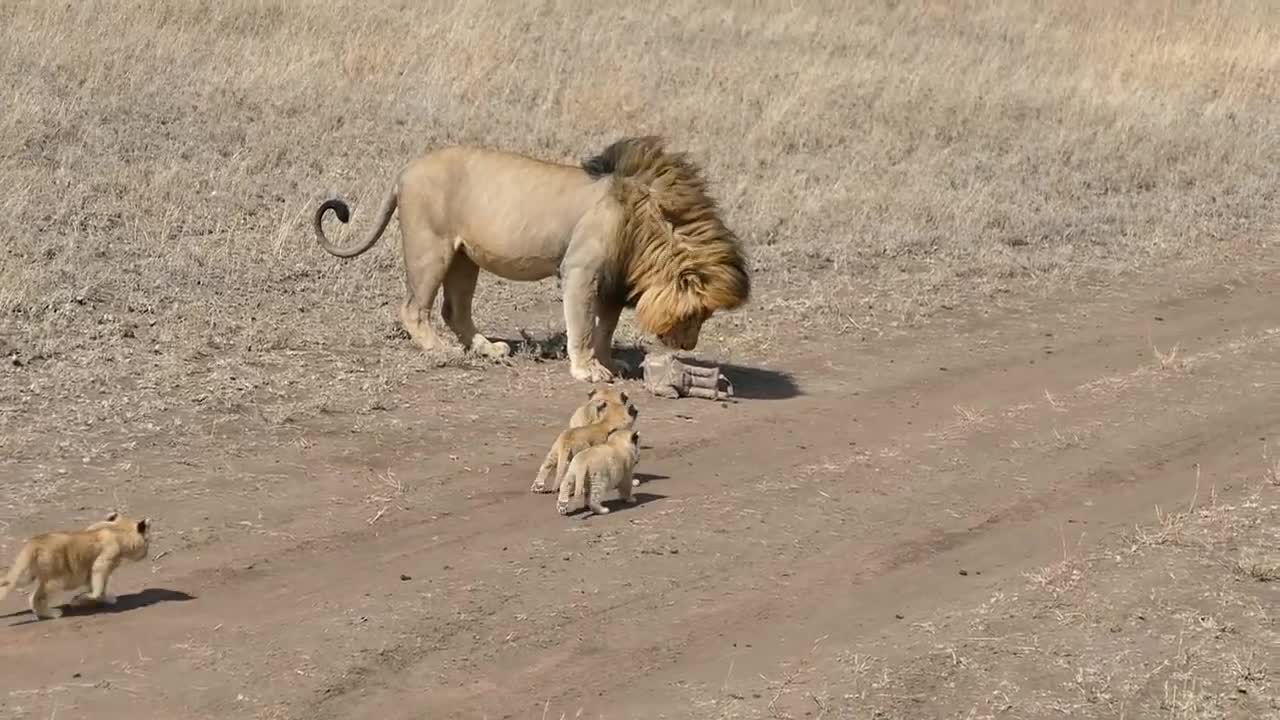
(674,260)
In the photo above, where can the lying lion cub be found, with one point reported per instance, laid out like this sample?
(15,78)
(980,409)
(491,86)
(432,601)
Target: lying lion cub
(599,469)
(610,414)
(75,559)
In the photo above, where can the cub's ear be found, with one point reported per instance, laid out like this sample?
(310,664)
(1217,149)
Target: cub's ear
(592,393)
(623,396)
(635,438)
(113,516)
(144,525)
(601,406)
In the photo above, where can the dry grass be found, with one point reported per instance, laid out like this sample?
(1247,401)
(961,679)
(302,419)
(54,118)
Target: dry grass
(160,159)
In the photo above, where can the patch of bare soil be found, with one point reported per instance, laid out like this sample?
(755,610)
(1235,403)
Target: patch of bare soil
(1067,509)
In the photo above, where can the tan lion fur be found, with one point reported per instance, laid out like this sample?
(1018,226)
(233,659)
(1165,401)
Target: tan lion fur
(597,470)
(632,227)
(573,440)
(75,559)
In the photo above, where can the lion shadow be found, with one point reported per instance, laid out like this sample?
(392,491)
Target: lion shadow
(553,347)
(760,384)
(749,383)
(124,603)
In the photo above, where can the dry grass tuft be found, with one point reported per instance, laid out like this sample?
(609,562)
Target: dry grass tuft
(161,160)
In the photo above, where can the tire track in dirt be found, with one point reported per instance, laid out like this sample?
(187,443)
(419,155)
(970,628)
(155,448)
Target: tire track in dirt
(819,421)
(287,608)
(899,545)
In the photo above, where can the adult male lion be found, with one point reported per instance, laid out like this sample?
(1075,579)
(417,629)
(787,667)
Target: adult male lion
(632,227)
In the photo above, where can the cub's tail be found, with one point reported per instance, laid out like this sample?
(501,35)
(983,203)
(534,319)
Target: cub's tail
(19,574)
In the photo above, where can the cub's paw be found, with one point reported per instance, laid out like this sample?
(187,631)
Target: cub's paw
(563,507)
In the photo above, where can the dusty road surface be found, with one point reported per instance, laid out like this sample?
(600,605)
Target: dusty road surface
(1007,435)
(958,523)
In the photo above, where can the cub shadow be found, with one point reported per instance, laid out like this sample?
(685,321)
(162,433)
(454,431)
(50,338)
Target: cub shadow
(619,505)
(124,603)
(649,477)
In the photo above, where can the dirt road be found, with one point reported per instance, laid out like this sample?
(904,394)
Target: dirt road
(396,566)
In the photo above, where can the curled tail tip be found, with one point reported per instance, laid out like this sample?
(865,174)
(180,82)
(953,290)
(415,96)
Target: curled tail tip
(337,204)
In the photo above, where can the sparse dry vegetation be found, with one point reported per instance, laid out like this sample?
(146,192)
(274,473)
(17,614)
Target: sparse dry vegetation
(881,161)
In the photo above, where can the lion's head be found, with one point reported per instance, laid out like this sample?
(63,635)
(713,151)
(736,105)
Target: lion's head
(675,260)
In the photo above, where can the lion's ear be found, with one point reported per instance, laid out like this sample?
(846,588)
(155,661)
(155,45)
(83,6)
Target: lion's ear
(143,525)
(592,392)
(601,406)
(690,280)
(623,396)
(113,516)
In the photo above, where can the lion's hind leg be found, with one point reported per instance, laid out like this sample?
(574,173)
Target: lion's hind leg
(459,289)
(426,259)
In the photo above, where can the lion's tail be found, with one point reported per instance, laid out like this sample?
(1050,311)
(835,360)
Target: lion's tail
(18,574)
(340,208)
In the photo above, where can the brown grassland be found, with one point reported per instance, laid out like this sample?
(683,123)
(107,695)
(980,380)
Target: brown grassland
(1014,279)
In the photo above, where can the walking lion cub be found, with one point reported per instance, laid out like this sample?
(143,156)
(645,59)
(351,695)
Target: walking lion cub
(601,468)
(604,412)
(75,559)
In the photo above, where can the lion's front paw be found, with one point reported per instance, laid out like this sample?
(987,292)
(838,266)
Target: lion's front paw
(592,372)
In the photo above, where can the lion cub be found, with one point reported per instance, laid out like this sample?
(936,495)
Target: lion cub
(599,469)
(75,559)
(610,410)
(589,411)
